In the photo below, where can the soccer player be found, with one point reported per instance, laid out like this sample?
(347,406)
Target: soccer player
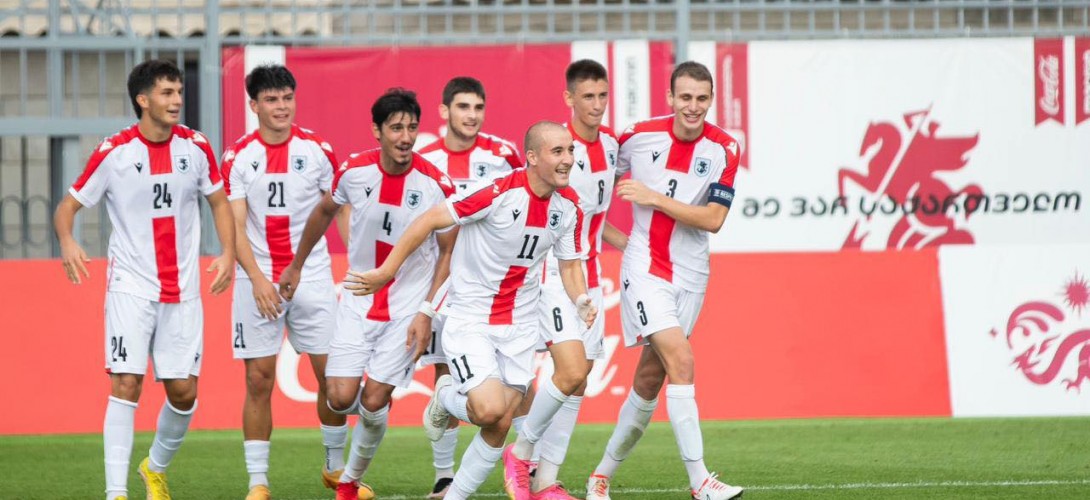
(151,175)
(469,157)
(492,323)
(552,416)
(274,177)
(384,334)
(681,189)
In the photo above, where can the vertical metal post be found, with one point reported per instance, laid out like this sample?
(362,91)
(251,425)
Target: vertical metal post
(681,50)
(210,108)
(64,168)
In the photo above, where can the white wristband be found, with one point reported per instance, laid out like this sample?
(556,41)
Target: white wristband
(426,309)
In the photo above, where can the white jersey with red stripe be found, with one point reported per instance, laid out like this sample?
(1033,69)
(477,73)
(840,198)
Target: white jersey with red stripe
(383,205)
(592,177)
(489,158)
(507,232)
(152,192)
(688,171)
(281,183)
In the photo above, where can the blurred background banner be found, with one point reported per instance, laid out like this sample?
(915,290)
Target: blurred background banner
(908,144)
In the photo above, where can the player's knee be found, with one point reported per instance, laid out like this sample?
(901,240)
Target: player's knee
(680,368)
(126,386)
(648,384)
(340,401)
(488,413)
(259,383)
(183,398)
(375,401)
(569,379)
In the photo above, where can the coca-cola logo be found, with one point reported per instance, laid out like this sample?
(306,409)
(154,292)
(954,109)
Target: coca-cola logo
(1048,70)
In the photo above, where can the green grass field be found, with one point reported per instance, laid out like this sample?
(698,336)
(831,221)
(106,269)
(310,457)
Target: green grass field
(863,459)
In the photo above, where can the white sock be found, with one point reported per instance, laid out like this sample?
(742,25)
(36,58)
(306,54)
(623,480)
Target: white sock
(257,461)
(442,452)
(334,437)
(553,446)
(370,429)
(631,422)
(456,403)
(546,403)
(684,418)
(169,433)
(117,431)
(477,463)
(517,422)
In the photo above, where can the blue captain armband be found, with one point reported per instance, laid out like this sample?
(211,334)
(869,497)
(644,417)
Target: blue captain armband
(721,194)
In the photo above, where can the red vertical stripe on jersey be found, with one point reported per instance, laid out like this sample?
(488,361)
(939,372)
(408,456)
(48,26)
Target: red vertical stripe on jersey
(592,253)
(380,306)
(159,156)
(681,155)
(392,189)
(597,156)
(537,212)
(503,303)
(662,228)
(278,236)
(458,164)
(166,258)
(276,159)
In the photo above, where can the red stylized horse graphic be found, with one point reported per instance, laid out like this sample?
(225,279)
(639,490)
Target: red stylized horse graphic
(902,170)
(1041,351)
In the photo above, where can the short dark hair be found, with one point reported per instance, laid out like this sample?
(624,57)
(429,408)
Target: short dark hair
(395,100)
(268,77)
(584,69)
(462,85)
(694,70)
(143,77)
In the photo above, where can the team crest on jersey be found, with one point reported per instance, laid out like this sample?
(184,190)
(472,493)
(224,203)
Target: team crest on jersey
(181,163)
(480,170)
(413,198)
(554,218)
(702,166)
(298,163)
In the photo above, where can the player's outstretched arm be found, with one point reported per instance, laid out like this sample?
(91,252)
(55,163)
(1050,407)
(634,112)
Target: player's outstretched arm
(420,329)
(709,217)
(366,283)
(615,237)
(224,265)
(575,284)
(265,295)
(317,223)
(73,258)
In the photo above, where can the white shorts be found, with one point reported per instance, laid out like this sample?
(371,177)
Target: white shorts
(560,321)
(434,354)
(377,348)
(650,305)
(172,333)
(310,317)
(478,351)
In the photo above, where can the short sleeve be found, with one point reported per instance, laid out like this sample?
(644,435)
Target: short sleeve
(572,245)
(211,181)
(234,179)
(327,163)
(92,184)
(473,206)
(339,186)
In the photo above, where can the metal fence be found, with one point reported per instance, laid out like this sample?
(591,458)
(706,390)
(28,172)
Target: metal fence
(63,63)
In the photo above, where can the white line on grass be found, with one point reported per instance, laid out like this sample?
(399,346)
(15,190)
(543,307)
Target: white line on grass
(807,487)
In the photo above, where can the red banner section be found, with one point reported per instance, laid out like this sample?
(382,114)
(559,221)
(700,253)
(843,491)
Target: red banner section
(1082,80)
(774,341)
(1048,68)
(734,93)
